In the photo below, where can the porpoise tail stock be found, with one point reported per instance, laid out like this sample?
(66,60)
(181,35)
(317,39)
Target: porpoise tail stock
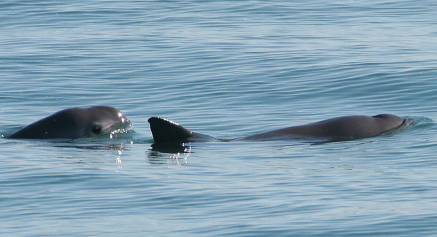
(76,123)
(335,129)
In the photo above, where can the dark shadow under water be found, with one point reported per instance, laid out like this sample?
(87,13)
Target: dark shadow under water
(176,154)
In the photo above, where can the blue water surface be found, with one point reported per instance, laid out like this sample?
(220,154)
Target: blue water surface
(227,69)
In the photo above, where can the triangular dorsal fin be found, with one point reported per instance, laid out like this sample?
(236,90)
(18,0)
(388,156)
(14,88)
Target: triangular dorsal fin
(164,130)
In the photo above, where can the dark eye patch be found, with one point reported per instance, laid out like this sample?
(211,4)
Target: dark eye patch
(96,130)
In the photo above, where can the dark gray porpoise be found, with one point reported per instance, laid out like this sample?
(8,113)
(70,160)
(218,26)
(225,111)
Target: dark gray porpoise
(75,123)
(341,128)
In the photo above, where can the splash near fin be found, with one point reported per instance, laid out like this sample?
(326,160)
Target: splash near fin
(164,130)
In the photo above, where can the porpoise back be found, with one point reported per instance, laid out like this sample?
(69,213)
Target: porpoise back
(341,128)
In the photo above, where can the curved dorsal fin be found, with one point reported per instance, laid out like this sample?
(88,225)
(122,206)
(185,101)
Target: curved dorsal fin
(164,130)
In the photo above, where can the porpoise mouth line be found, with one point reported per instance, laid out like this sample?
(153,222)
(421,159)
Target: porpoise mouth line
(125,127)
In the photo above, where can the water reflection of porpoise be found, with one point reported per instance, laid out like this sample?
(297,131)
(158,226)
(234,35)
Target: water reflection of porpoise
(341,128)
(75,123)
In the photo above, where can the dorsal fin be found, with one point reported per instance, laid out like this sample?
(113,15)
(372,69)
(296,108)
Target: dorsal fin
(164,130)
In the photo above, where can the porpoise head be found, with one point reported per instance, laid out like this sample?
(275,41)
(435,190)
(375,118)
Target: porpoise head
(98,120)
(389,122)
(76,123)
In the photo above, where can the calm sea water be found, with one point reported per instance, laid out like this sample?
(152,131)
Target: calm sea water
(227,69)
